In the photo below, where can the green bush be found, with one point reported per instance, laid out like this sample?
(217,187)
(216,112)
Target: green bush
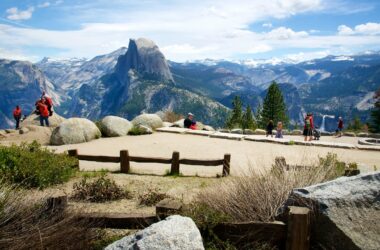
(136,131)
(99,190)
(32,166)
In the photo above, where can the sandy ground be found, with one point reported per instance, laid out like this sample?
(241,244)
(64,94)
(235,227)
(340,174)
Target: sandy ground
(245,155)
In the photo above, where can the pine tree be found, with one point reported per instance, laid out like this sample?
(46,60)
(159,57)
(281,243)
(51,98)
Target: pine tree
(274,107)
(236,116)
(375,114)
(248,122)
(258,116)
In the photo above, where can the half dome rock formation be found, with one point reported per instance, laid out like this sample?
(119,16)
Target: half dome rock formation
(75,130)
(144,56)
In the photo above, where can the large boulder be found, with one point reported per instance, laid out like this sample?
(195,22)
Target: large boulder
(34,119)
(296,132)
(113,126)
(347,211)
(150,120)
(74,130)
(176,233)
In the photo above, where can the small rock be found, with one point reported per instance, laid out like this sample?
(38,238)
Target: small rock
(222,130)
(350,134)
(363,134)
(208,128)
(237,131)
(249,132)
(167,124)
(150,120)
(113,126)
(145,130)
(23,131)
(260,132)
(296,132)
(179,123)
(174,233)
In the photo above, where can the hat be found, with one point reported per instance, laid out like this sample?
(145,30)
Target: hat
(190,114)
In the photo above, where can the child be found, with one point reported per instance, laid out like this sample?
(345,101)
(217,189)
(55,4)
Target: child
(270,129)
(279,130)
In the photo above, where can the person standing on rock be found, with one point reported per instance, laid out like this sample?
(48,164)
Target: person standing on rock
(48,102)
(340,127)
(189,122)
(17,113)
(279,130)
(44,113)
(269,130)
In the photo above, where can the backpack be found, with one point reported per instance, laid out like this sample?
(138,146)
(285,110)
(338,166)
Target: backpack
(307,123)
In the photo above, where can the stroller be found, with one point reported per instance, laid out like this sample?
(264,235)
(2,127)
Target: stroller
(316,134)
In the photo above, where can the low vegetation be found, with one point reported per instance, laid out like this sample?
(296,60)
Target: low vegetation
(27,222)
(99,190)
(136,131)
(170,116)
(151,197)
(33,166)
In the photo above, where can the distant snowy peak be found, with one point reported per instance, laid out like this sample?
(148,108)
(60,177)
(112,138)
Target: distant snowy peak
(342,58)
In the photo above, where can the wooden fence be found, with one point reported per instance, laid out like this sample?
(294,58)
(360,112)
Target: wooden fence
(175,161)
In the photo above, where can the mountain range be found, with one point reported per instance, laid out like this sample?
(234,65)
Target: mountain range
(139,79)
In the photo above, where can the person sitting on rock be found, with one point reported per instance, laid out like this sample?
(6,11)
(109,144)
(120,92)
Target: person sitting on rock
(44,113)
(279,130)
(189,122)
(17,113)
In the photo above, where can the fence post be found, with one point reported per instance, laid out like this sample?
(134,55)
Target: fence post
(298,237)
(175,164)
(226,165)
(124,161)
(73,152)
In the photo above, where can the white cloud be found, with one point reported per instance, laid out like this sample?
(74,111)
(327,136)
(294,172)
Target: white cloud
(267,25)
(363,29)
(283,33)
(44,5)
(260,48)
(16,14)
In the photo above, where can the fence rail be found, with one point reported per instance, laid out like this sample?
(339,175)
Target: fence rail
(124,159)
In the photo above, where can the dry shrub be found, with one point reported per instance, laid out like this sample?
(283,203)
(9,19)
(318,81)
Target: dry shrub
(258,196)
(151,197)
(99,190)
(27,222)
(170,116)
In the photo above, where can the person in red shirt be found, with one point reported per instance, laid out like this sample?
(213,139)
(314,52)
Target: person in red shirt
(17,116)
(48,102)
(340,127)
(308,127)
(44,112)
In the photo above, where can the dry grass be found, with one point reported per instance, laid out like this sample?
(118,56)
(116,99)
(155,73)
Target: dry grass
(258,196)
(170,116)
(26,222)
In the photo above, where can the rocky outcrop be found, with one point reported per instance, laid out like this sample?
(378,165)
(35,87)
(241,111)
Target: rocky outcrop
(113,126)
(151,120)
(208,128)
(260,132)
(174,233)
(179,123)
(75,130)
(347,211)
(34,119)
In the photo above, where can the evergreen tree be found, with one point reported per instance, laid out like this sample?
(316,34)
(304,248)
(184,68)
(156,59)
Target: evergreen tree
(274,107)
(236,116)
(375,114)
(248,121)
(258,116)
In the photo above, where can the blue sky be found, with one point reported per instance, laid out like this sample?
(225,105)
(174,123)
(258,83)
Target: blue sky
(190,30)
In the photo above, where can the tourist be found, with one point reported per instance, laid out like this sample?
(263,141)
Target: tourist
(308,127)
(279,130)
(340,127)
(189,122)
(48,102)
(44,113)
(17,113)
(269,130)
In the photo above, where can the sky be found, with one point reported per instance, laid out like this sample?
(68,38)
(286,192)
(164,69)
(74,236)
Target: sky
(187,30)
